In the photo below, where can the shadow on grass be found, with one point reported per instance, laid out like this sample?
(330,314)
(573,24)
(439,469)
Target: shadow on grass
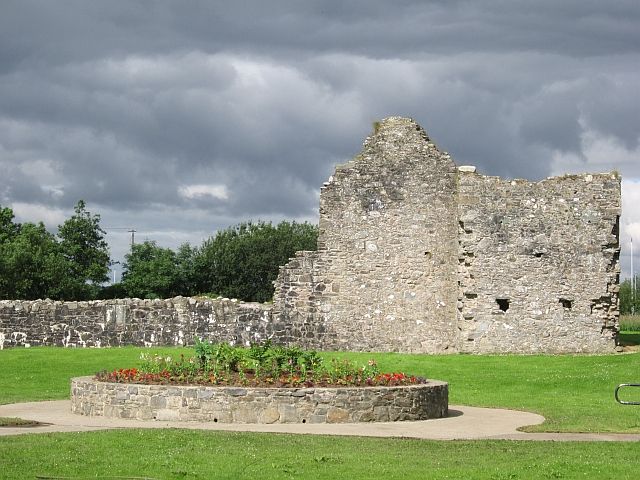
(628,339)
(19,422)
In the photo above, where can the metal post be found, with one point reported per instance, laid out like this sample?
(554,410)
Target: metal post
(113,266)
(633,283)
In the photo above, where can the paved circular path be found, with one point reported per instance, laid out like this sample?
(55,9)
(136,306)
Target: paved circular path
(463,423)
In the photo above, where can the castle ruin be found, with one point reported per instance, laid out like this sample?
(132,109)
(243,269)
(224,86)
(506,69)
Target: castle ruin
(418,255)
(414,255)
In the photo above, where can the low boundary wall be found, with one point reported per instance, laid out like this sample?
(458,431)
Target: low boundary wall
(113,323)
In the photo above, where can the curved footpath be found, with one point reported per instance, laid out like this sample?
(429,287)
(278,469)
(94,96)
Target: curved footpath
(463,423)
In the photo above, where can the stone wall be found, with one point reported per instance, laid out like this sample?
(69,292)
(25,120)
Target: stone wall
(538,264)
(108,323)
(384,274)
(414,255)
(259,405)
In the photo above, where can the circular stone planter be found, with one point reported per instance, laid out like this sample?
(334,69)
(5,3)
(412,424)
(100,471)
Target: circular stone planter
(259,405)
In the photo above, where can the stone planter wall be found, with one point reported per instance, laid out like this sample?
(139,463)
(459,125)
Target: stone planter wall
(259,405)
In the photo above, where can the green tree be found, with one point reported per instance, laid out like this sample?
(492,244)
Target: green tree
(8,229)
(243,261)
(86,253)
(30,264)
(186,265)
(151,272)
(627,297)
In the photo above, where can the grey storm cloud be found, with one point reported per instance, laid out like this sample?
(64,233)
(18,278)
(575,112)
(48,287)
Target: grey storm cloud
(180,118)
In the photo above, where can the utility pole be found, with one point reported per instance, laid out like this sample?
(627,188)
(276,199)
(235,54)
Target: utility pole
(633,282)
(113,267)
(133,237)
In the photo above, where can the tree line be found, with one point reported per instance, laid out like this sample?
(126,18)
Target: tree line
(241,261)
(630,302)
(34,263)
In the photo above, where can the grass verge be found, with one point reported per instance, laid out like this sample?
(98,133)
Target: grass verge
(177,454)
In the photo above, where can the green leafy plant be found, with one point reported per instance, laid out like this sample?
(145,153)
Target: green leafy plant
(261,364)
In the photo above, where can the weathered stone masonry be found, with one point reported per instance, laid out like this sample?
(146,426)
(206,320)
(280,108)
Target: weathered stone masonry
(417,255)
(106,323)
(414,255)
(538,264)
(259,405)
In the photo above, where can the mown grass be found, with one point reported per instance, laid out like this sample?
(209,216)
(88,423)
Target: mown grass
(573,392)
(178,454)
(33,374)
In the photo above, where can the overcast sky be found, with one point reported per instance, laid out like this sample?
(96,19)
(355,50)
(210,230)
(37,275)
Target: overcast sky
(178,118)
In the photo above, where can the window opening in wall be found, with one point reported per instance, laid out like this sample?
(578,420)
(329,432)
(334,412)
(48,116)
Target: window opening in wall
(566,303)
(503,304)
(538,254)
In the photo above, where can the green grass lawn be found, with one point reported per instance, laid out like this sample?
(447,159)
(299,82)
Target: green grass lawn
(31,374)
(574,393)
(177,454)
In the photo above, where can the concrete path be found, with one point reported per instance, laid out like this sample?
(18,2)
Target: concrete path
(463,423)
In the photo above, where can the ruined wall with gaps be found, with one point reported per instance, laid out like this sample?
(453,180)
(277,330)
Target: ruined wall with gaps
(414,255)
(417,255)
(538,265)
(383,275)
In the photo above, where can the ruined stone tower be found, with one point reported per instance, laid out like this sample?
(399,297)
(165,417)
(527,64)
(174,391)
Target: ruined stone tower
(418,255)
